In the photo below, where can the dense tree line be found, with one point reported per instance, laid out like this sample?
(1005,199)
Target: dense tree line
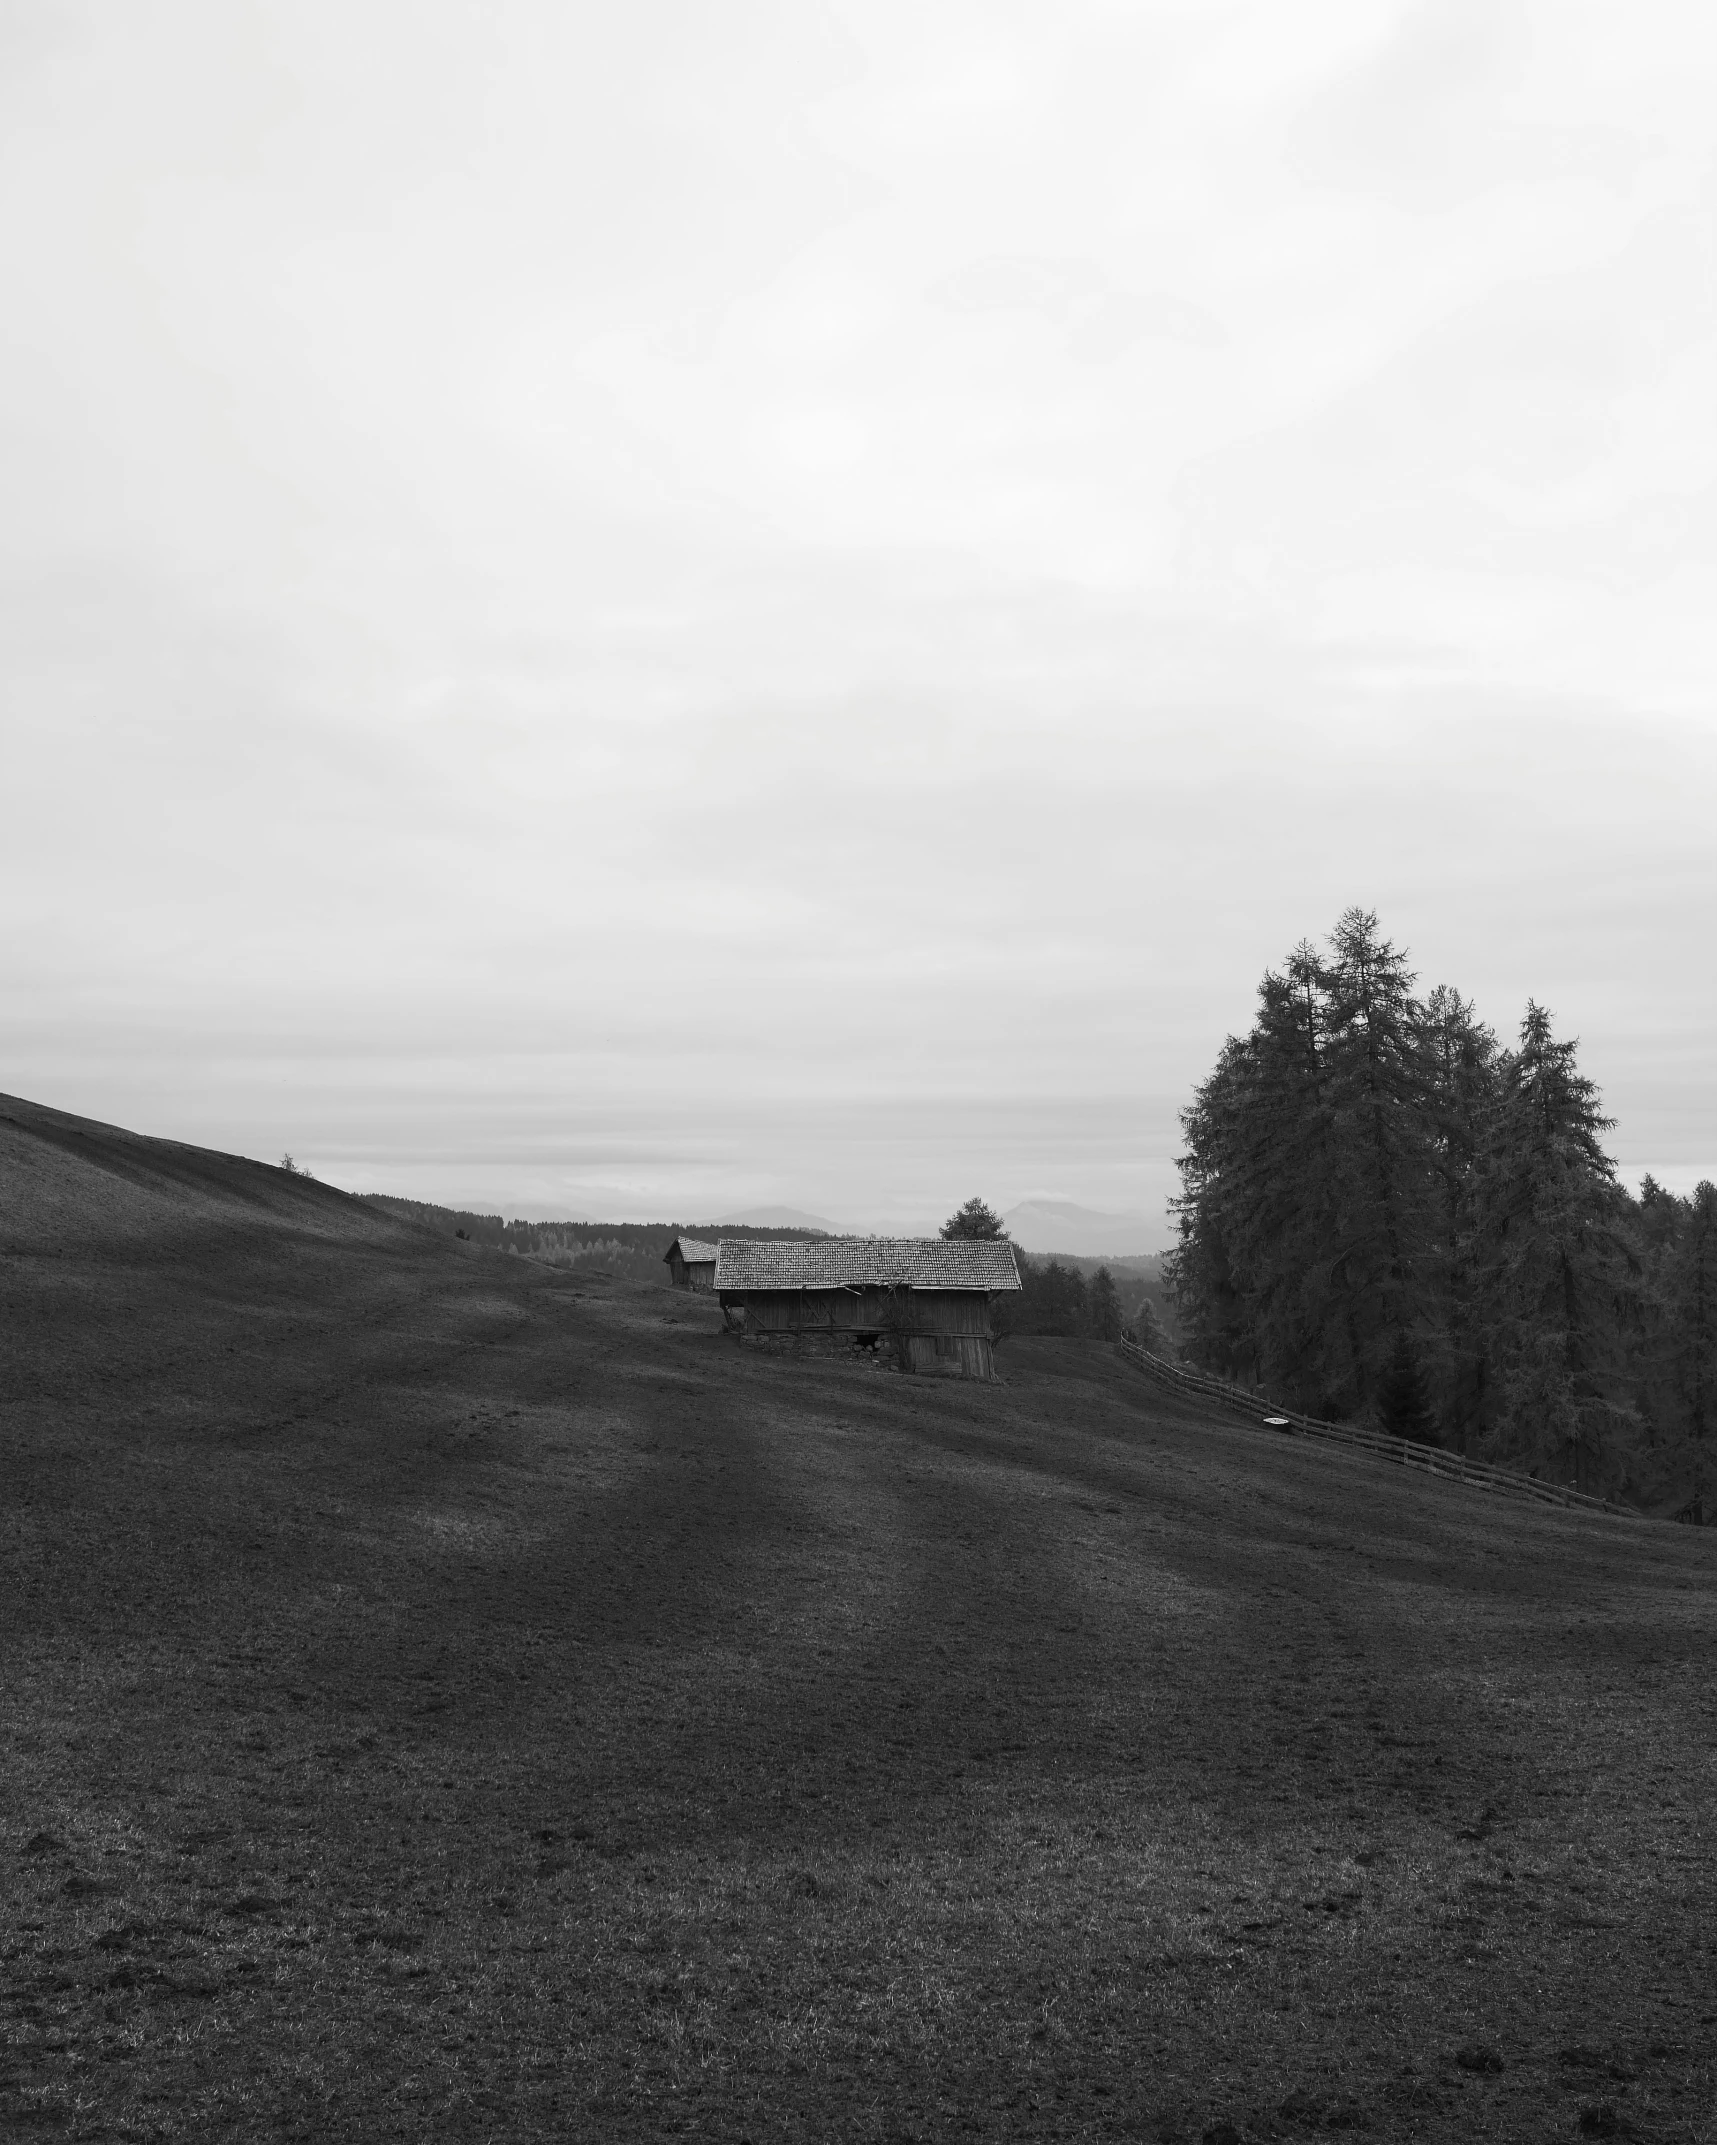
(1057,1299)
(1386,1215)
(631,1251)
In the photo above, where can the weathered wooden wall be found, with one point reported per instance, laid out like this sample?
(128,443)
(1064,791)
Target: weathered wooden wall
(953,1355)
(870,1310)
(936,1332)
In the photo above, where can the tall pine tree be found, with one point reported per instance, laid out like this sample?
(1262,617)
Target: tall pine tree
(1462,1056)
(1103,1306)
(1689,1297)
(1205,1271)
(1558,1272)
(1250,1271)
(1377,1081)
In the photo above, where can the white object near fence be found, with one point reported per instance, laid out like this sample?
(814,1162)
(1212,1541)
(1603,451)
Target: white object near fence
(1429,1459)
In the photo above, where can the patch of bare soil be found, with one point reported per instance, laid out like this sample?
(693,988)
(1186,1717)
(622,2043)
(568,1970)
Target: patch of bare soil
(444,1698)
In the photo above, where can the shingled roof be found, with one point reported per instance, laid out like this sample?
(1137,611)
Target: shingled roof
(866,1262)
(693,1250)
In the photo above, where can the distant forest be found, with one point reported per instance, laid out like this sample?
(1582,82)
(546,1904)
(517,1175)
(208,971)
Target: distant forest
(1090,1299)
(630,1250)
(1388,1216)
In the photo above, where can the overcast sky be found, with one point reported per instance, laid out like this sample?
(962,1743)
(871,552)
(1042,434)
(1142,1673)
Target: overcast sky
(639,609)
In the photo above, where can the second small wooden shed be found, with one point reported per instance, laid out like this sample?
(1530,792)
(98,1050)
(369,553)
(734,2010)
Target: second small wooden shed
(690,1262)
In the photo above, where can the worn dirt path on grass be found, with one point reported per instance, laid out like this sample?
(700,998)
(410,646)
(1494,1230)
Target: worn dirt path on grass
(441,1697)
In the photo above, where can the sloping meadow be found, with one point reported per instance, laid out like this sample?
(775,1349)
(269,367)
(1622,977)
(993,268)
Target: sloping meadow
(448,1698)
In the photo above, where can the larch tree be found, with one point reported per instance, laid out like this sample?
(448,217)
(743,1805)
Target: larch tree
(1560,1277)
(1103,1306)
(1690,1302)
(1377,1090)
(1659,1220)
(1462,1055)
(1203,1271)
(1250,1273)
(1403,1406)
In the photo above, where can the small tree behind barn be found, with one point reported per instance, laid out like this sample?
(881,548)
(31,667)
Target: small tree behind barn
(975,1223)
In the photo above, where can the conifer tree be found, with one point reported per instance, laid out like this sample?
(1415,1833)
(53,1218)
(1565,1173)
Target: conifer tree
(1203,1272)
(1064,1300)
(1659,1219)
(1376,1081)
(1559,1275)
(1251,1271)
(1690,1302)
(974,1223)
(1282,1179)
(1103,1306)
(1403,1408)
(1462,1055)
(1146,1330)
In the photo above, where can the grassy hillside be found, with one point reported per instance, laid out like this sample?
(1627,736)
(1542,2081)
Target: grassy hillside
(449,1697)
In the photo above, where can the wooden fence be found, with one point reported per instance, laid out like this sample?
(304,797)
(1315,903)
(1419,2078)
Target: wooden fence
(1428,1459)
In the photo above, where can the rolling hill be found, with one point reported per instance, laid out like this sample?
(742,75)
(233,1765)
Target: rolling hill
(448,1696)
(794,1218)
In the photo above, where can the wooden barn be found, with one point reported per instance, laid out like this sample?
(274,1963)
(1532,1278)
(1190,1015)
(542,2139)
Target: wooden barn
(690,1262)
(924,1299)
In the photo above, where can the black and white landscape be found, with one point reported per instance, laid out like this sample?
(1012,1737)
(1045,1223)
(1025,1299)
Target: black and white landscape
(858,1267)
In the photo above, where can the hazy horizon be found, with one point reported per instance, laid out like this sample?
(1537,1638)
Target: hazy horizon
(651,612)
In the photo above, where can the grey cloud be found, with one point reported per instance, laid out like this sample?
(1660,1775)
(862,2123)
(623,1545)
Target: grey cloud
(451,734)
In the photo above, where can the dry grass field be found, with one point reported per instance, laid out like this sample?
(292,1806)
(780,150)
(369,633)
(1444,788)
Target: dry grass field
(448,1699)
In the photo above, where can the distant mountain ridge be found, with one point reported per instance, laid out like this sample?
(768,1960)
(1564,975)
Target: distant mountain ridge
(776,1218)
(1060,1225)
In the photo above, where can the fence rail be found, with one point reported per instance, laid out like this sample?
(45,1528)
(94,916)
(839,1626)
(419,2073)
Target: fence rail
(1428,1459)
